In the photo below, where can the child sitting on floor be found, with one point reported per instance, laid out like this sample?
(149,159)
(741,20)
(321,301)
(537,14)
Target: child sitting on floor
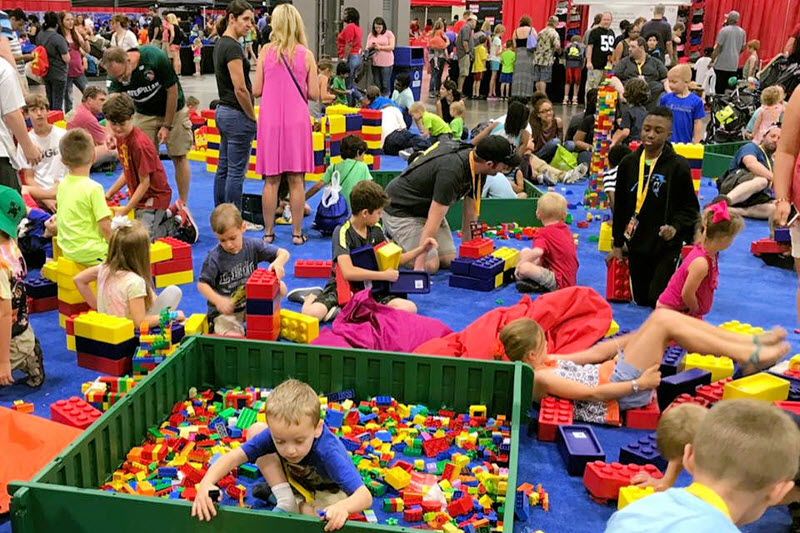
(430,125)
(43,177)
(228,266)
(676,428)
(124,282)
(743,459)
(84,218)
(367,201)
(19,347)
(691,288)
(351,170)
(602,385)
(339,84)
(457,110)
(298,443)
(144,175)
(770,112)
(552,262)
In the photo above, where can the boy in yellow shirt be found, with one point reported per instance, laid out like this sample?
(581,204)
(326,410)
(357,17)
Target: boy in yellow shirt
(479,67)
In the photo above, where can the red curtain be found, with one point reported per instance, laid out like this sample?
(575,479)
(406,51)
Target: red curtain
(538,10)
(769,21)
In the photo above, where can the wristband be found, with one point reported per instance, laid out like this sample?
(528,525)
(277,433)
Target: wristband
(781,200)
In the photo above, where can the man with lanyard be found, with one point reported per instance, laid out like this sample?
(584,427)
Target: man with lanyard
(655,209)
(639,64)
(748,181)
(421,196)
(146,75)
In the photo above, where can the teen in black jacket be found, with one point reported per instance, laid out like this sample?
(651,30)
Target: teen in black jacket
(668,215)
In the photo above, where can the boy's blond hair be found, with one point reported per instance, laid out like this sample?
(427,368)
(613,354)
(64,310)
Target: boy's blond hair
(36,101)
(520,337)
(292,401)
(225,217)
(551,206)
(771,95)
(458,109)
(683,71)
(77,148)
(416,107)
(749,444)
(192,101)
(677,428)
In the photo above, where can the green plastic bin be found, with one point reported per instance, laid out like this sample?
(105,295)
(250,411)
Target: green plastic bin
(499,210)
(383,177)
(64,496)
(717,158)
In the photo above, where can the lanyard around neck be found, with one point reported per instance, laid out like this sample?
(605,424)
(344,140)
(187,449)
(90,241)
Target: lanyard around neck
(769,164)
(642,188)
(475,183)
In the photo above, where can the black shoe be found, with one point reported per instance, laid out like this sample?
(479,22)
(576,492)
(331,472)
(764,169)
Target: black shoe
(261,491)
(299,295)
(35,367)
(527,286)
(333,312)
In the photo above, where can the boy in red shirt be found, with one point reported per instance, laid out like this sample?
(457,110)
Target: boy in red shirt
(552,263)
(144,175)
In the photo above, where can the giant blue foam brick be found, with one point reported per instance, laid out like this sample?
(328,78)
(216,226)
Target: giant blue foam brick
(578,446)
(684,382)
(411,282)
(475,284)
(643,452)
(486,267)
(460,265)
(671,360)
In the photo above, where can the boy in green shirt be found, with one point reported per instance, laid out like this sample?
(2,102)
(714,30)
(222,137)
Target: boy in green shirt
(339,84)
(430,124)
(507,58)
(351,171)
(457,111)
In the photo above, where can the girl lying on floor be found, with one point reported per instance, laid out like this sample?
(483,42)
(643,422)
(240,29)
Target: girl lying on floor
(602,386)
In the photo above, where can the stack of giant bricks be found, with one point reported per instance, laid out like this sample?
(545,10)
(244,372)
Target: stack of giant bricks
(606,107)
(265,318)
(341,121)
(480,267)
(104,343)
(171,262)
(694,153)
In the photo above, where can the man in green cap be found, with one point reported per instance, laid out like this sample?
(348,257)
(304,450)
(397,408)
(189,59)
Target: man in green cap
(19,347)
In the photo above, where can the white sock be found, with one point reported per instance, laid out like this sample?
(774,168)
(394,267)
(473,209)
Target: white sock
(285,497)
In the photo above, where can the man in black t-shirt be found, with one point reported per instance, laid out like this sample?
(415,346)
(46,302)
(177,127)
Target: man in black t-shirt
(599,49)
(421,196)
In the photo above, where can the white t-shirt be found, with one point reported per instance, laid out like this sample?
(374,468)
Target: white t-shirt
(115,291)
(127,42)
(392,121)
(11,99)
(50,169)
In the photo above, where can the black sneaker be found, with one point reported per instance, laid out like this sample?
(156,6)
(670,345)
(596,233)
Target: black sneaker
(527,286)
(187,232)
(261,491)
(35,367)
(299,295)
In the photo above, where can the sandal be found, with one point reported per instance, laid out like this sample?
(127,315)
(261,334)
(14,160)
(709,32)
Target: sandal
(303,238)
(565,102)
(755,358)
(269,238)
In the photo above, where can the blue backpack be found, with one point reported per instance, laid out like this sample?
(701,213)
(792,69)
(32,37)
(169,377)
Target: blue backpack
(332,210)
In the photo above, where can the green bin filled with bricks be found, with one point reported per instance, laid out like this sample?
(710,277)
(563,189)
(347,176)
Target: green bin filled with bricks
(64,495)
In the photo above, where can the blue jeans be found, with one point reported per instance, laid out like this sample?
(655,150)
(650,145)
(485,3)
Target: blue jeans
(382,77)
(437,67)
(236,134)
(80,82)
(354,63)
(548,151)
(55,89)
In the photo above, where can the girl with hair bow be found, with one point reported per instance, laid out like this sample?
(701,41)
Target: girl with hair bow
(691,288)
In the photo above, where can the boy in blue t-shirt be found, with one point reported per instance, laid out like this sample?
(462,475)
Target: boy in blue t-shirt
(687,108)
(744,458)
(300,444)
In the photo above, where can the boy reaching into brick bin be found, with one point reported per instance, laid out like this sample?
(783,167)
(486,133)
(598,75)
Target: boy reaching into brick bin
(297,447)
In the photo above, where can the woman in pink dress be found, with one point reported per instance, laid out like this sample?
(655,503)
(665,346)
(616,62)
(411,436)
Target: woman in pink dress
(284,128)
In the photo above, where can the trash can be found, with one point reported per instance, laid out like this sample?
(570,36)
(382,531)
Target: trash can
(411,60)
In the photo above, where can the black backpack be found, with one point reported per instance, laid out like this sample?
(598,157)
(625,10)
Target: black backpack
(179,37)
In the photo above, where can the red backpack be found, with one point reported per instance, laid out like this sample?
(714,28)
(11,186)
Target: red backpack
(40,64)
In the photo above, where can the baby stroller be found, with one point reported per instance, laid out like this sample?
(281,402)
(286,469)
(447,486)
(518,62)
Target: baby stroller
(730,114)
(784,71)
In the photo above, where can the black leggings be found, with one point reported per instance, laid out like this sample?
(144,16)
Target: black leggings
(650,275)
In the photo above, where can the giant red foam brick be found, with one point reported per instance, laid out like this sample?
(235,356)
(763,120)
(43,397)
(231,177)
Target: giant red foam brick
(74,412)
(712,393)
(312,268)
(603,480)
(262,285)
(476,248)
(644,417)
(553,412)
(618,286)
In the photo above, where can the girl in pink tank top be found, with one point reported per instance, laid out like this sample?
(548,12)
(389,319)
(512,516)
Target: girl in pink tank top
(691,288)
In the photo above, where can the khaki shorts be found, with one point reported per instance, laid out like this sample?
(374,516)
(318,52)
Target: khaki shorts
(464,66)
(232,325)
(594,78)
(406,232)
(794,232)
(21,350)
(322,498)
(179,141)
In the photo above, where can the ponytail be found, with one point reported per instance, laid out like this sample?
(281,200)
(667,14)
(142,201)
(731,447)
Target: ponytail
(235,8)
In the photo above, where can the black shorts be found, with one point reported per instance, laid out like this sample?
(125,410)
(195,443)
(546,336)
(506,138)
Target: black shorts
(330,299)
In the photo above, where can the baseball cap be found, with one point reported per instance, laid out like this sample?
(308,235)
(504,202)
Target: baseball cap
(498,150)
(12,210)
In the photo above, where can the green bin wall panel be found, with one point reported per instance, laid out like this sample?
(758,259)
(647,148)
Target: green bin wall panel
(64,495)
(717,158)
(383,177)
(497,211)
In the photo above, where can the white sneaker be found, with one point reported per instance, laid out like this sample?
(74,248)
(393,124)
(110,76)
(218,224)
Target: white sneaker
(287,213)
(405,154)
(576,173)
(251,226)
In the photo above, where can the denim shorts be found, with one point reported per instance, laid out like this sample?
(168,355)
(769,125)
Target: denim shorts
(623,371)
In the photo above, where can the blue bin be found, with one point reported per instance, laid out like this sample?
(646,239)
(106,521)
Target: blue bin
(411,60)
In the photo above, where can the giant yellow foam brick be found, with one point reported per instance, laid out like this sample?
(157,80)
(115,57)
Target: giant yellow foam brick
(298,327)
(761,386)
(628,495)
(720,367)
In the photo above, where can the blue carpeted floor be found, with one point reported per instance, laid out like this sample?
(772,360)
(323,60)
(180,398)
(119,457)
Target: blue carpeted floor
(749,291)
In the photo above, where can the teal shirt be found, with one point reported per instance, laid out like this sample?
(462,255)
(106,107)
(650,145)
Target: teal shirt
(404,99)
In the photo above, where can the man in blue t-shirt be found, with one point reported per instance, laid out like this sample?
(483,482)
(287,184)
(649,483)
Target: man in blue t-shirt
(748,181)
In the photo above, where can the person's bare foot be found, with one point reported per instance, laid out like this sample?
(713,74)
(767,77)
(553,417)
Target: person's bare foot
(769,355)
(773,336)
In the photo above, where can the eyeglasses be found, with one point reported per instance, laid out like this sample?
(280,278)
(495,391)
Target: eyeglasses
(545,110)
